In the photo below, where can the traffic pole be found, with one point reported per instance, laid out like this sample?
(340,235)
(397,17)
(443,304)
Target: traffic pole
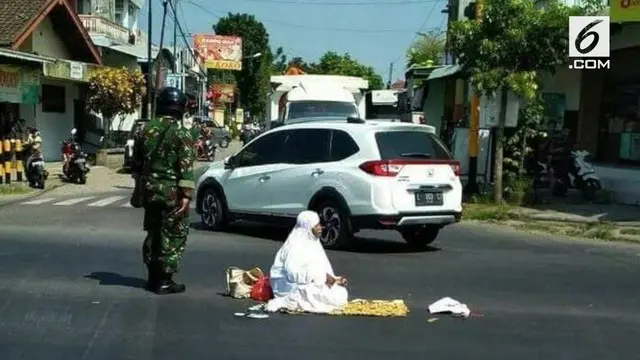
(18,165)
(1,164)
(474,126)
(6,147)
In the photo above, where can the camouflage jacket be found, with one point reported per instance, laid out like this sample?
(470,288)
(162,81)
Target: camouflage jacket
(164,163)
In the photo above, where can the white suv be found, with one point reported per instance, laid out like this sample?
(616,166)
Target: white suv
(356,174)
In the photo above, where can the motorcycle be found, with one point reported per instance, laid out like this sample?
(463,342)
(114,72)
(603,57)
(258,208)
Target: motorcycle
(77,168)
(36,173)
(33,164)
(578,173)
(248,134)
(205,149)
(224,142)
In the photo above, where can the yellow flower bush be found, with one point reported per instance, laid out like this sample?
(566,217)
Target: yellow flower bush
(115,91)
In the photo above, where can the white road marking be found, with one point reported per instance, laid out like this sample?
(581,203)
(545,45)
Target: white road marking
(74,201)
(127,205)
(38,201)
(107,201)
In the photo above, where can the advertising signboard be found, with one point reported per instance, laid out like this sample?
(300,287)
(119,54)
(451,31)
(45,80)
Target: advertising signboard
(218,52)
(622,11)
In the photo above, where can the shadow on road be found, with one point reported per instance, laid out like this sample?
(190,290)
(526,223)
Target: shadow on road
(108,278)
(364,245)
(123,187)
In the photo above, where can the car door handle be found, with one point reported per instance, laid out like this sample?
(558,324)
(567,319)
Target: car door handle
(264,179)
(317,172)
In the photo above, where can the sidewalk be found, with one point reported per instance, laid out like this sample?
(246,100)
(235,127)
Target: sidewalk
(621,215)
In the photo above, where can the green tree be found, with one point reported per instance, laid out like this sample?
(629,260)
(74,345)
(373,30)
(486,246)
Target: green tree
(332,63)
(515,40)
(301,64)
(427,49)
(279,63)
(253,80)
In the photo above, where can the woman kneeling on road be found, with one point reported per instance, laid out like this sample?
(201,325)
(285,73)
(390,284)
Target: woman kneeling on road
(301,277)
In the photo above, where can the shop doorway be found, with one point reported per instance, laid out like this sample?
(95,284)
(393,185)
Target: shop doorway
(79,118)
(9,113)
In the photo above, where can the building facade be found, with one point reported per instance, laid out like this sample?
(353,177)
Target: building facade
(113,27)
(46,58)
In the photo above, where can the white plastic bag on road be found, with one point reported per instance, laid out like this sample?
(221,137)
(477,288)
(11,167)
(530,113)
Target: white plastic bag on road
(447,305)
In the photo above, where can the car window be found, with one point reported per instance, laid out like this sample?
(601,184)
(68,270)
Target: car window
(342,146)
(263,151)
(307,146)
(302,109)
(411,144)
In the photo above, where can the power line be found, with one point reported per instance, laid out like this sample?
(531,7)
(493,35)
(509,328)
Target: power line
(218,14)
(424,23)
(344,3)
(188,46)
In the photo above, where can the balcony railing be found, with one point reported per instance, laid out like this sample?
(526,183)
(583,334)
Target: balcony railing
(99,25)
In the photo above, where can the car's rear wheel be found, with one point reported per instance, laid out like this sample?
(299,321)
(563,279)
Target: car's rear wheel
(419,236)
(212,211)
(336,228)
(224,143)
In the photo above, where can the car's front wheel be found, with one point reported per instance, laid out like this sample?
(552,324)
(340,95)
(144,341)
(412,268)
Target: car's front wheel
(336,228)
(211,210)
(419,236)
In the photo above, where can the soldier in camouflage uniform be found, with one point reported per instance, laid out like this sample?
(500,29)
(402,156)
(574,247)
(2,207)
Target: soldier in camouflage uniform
(163,165)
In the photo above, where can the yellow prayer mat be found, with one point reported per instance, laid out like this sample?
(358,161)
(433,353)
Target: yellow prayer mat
(381,308)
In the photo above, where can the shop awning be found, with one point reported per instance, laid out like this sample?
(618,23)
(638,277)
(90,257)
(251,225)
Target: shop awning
(444,71)
(25,56)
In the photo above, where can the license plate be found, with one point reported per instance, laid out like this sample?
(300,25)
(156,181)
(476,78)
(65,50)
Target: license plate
(80,161)
(428,198)
(37,163)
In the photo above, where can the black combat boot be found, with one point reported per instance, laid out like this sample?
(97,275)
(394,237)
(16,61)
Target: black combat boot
(153,277)
(167,286)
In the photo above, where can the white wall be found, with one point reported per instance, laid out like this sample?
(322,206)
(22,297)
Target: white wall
(564,81)
(46,42)
(434,104)
(54,127)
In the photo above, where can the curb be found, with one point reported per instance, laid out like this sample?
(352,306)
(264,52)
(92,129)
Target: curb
(29,197)
(576,221)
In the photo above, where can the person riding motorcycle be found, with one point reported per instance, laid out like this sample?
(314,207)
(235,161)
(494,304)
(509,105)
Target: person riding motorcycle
(32,146)
(67,152)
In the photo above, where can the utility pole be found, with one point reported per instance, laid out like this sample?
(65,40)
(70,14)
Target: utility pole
(150,92)
(157,62)
(175,35)
(390,75)
(474,125)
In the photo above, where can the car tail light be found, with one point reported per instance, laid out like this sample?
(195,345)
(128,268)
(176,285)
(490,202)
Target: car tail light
(382,168)
(455,165)
(391,168)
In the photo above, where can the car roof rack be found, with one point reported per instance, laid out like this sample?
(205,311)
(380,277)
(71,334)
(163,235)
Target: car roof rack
(355,120)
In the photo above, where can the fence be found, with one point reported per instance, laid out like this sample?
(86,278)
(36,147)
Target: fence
(11,161)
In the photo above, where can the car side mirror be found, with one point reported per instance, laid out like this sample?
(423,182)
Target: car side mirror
(229,162)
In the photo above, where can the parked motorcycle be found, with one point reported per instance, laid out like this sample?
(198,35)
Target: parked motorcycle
(77,168)
(578,173)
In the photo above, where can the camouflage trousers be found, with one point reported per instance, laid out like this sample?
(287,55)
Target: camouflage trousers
(166,238)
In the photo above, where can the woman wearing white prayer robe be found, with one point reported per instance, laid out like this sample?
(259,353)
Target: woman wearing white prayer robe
(301,276)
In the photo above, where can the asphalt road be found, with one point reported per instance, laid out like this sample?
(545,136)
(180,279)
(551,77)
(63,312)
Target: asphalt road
(71,278)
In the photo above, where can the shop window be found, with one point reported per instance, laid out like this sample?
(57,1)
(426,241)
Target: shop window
(53,99)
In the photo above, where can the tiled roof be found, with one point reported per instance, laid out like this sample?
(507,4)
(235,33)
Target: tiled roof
(15,15)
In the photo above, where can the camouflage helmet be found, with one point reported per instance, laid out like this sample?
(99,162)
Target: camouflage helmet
(171,102)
